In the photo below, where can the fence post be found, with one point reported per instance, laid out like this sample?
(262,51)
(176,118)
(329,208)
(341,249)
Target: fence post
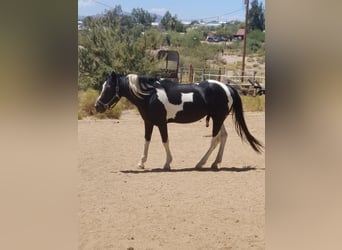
(219,72)
(191,73)
(181,74)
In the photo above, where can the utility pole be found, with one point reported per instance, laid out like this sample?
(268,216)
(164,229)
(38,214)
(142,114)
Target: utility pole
(244,42)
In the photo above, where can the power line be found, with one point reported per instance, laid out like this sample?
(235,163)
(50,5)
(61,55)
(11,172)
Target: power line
(218,16)
(106,5)
(233,12)
(204,18)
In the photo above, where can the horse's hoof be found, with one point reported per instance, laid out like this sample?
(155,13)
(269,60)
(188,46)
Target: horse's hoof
(214,167)
(167,167)
(198,166)
(141,166)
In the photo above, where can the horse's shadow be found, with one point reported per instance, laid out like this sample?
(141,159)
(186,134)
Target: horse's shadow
(222,169)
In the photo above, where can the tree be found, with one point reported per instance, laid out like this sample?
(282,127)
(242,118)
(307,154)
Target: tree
(255,41)
(113,42)
(166,19)
(179,27)
(172,23)
(256,16)
(143,17)
(112,17)
(193,38)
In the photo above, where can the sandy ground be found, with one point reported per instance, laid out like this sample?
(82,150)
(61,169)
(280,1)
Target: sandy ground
(249,61)
(122,207)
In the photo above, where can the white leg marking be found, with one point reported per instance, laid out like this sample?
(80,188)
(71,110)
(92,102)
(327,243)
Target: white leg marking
(223,139)
(226,89)
(214,142)
(144,156)
(173,109)
(168,156)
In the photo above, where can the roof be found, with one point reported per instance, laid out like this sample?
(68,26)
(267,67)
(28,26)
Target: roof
(240,32)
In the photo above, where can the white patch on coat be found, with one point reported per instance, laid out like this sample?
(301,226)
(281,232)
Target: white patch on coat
(173,109)
(134,85)
(103,87)
(226,89)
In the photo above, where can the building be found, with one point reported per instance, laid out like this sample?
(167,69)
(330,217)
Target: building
(240,34)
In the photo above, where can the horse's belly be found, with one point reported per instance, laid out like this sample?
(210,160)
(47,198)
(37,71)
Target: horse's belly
(182,104)
(190,113)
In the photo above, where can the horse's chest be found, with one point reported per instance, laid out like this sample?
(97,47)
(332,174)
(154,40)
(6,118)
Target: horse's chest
(172,108)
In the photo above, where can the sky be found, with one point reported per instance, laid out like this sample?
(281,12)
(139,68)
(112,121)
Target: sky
(186,10)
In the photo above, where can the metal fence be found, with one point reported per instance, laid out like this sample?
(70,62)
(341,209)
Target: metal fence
(195,75)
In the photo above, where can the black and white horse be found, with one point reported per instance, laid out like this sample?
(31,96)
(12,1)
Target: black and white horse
(160,101)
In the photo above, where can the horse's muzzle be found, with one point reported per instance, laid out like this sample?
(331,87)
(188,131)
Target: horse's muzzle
(99,107)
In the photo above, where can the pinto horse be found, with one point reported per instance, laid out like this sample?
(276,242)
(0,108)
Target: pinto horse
(160,101)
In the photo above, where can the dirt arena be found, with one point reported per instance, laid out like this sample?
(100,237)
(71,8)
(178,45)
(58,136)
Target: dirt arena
(122,207)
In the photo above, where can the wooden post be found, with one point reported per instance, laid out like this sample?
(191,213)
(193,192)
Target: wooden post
(219,72)
(191,73)
(180,75)
(244,42)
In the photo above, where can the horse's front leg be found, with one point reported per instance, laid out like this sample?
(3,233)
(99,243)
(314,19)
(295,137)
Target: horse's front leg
(148,134)
(164,136)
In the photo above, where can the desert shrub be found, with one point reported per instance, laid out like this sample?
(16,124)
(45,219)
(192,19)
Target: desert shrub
(86,108)
(257,35)
(251,103)
(261,60)
(253,45)
(126,104)
(113,113)
(236,46)
(86,101)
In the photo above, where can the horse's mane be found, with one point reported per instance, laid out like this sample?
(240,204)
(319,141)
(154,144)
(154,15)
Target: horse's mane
(141,85)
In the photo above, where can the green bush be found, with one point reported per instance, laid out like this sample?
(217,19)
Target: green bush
(256,35)
(236,45)
(255,41)
(253,45)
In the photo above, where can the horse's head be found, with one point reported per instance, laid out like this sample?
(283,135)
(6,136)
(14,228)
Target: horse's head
(109,96)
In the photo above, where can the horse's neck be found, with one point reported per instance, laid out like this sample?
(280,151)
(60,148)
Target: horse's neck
(126,92)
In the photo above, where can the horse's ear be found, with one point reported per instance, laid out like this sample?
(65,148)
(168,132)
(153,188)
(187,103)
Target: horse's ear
(113,75)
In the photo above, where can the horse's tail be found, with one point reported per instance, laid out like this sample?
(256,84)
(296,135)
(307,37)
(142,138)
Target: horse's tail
(240,124)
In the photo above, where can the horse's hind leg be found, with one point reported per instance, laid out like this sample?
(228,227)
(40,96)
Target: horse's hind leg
(207,121)
(223,139)
(217,124)
(213,144)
